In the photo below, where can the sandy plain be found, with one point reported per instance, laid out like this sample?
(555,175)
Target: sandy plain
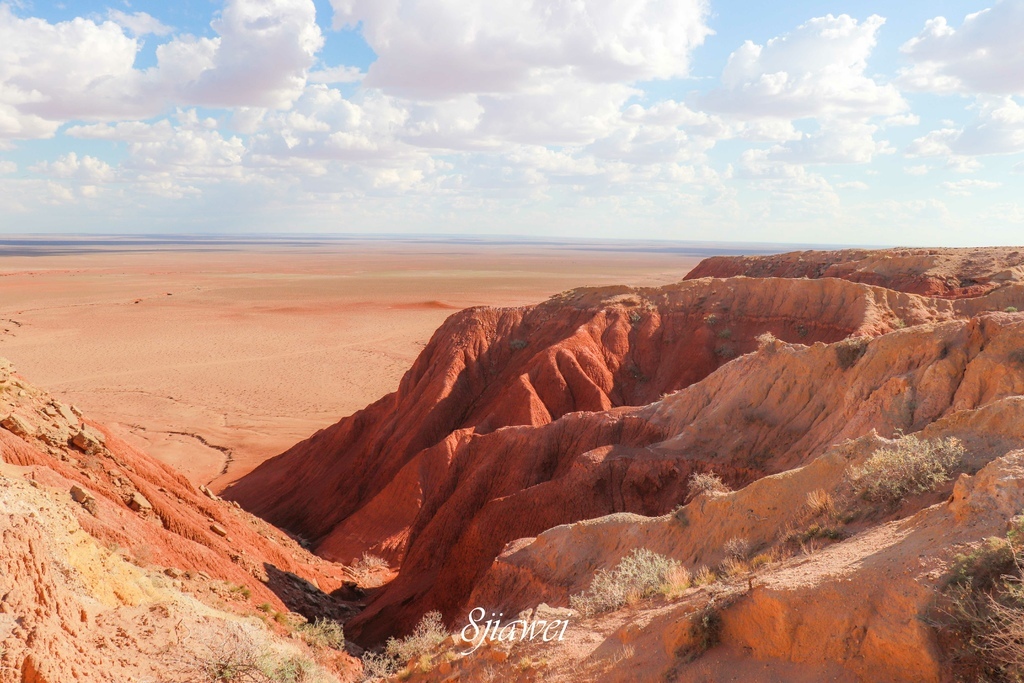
(215,354)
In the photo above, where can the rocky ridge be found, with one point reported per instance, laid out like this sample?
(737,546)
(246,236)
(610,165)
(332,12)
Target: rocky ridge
(514,422)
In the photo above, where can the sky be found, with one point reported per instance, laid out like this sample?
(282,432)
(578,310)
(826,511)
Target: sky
(801,122)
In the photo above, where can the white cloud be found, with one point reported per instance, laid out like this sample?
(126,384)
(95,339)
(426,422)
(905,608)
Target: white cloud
(8,167)
(921,169)
(82,70)
(441,48)
(50,72)
(69,166)
(817,70)
(1018,167)
(139,23)
(964,188)
(984,55)
(336,74)
(853,185)
(902,120)
(261,57)
(841,142)
(998,128)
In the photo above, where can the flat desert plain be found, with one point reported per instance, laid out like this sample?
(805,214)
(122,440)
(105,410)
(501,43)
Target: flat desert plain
(214,355)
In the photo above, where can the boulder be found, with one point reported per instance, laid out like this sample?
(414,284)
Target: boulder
(88,440)
(139,503)
(16,424)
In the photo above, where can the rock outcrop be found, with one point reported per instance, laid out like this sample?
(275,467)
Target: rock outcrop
(114,567)
(514,421)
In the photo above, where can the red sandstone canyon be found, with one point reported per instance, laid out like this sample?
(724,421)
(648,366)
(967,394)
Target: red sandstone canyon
(805,466)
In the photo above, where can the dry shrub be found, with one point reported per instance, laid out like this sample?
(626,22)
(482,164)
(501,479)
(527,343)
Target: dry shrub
(980,616)
(907,467)
(737,547)
(363,568)
(849,351)
(705,631)
(707,483)
(427,635)
(323,634)
(766,340)
(638,575)
(239,656)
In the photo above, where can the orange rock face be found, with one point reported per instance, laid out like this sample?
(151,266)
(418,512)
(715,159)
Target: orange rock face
(949,273)
(129,500)
(514,421)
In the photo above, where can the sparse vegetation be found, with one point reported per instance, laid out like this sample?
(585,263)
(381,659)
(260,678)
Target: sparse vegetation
(1016,356)
(737,547)
(243,591)
(711,319)
(635,318)
(765,340)
(849,351)
(323,634)
(518,344)
(898,324)
(705,631)
(704,576)
(638,575)
(427,635)
(820,503)
(367,565)
(725,351)
(724,333)
(1010,309)
(677,581)
(907,467)
(980,615)
(238,657)
(706,483)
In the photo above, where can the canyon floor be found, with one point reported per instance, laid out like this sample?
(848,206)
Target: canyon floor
(213,355)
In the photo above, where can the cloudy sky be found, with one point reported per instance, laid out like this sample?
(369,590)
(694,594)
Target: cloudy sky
(811,122)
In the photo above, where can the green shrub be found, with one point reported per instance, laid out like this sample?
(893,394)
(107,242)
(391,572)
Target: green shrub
(907,467)
(638,575)
(1010,309)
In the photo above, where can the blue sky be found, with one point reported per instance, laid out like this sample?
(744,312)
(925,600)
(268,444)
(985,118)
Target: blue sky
(811,122)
